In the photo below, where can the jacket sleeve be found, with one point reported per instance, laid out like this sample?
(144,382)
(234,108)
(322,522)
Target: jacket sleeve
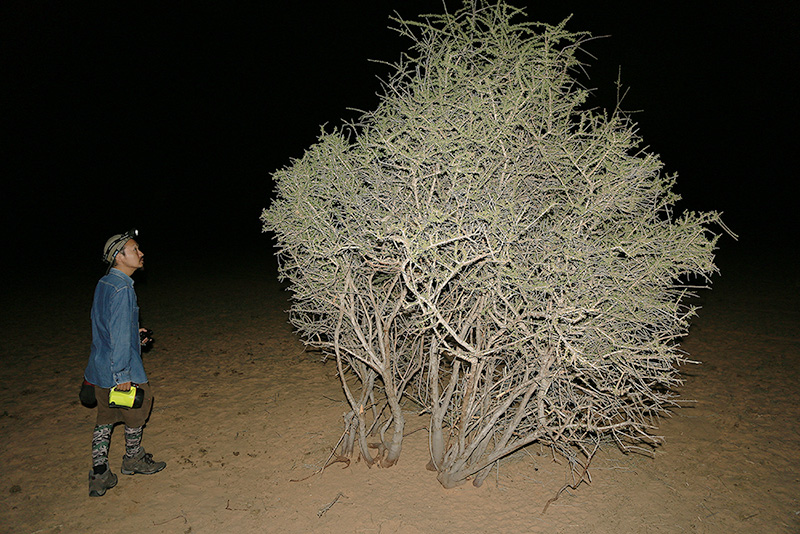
(120,329)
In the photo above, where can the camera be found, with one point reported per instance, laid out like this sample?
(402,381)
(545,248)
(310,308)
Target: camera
(148,335)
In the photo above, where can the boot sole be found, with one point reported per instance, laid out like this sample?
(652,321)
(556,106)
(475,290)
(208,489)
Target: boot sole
(100,493)
(135,472)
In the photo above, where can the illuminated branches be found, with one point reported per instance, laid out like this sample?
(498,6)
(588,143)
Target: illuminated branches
(485,244)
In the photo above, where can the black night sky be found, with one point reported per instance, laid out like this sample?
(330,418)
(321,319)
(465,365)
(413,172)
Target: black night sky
(171,118)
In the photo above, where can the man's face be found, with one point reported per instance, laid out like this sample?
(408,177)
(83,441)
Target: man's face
(130,257)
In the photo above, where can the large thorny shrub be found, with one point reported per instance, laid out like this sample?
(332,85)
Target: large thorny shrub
(488,246)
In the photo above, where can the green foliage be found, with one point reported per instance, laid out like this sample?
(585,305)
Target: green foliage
(487,245)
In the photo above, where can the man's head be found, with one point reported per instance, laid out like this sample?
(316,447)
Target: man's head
(122,252)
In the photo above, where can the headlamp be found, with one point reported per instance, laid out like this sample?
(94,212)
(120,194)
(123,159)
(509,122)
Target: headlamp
(116,243)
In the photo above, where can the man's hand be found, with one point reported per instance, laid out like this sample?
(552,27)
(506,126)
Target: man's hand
(123,387)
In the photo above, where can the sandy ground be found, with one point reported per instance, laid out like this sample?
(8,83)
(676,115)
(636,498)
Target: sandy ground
(242,411)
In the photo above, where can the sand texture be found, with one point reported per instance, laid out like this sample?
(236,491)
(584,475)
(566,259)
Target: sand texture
(243,412)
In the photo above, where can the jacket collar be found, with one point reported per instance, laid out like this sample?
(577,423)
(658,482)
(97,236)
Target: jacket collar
(120,274)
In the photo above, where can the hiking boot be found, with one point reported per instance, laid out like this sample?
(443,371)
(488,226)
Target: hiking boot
(141,464)
(98,484)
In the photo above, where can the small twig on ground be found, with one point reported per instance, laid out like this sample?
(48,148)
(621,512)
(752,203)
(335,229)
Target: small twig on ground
(336,459)
(564,488)
(183,515)
(328,506)
(574,485)
(332,459)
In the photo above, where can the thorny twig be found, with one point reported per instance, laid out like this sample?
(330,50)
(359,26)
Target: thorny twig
(328,506)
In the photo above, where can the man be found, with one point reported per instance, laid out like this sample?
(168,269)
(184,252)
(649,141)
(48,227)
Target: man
(115,361)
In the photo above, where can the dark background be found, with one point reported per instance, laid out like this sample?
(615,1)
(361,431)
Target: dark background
(172,118)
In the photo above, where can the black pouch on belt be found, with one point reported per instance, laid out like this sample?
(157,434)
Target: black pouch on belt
(87,395)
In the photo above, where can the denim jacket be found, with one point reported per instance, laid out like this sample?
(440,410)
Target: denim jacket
(116,355)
